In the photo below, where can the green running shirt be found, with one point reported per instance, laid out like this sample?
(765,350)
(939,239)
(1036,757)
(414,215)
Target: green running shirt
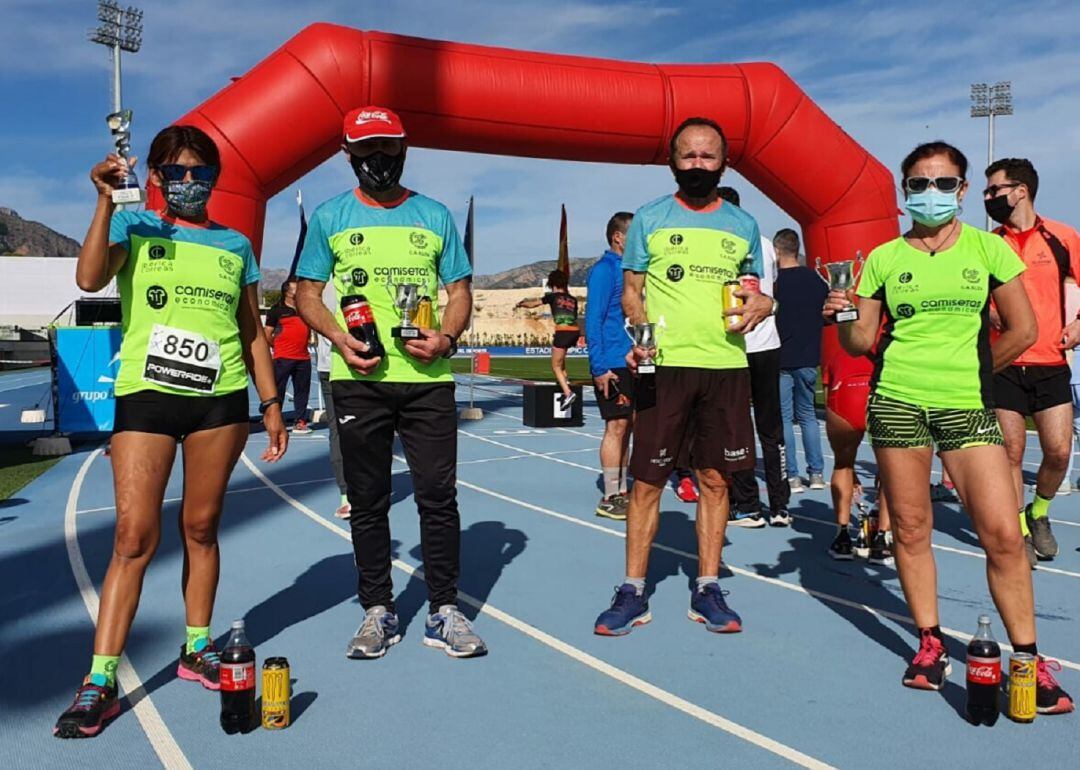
(935,345)
(179,293)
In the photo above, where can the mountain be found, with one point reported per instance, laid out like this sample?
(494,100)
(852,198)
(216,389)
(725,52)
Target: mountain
(21,237)
(533,275)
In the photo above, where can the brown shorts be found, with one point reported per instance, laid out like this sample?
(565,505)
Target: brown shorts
(719,433)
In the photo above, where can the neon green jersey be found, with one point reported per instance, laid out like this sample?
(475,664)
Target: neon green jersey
(687,256)
(935,345)
(180,289)
(367,249)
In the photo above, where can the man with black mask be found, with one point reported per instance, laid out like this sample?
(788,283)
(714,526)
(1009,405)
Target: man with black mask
(681,250)
(1036,385)
(369,240)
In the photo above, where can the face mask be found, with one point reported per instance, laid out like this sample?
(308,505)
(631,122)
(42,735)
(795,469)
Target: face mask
(932,207)
(999,209)
(378,172)
(188,199)
(697,182)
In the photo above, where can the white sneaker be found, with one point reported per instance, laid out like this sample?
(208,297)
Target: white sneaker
(1066,487)
(796,485)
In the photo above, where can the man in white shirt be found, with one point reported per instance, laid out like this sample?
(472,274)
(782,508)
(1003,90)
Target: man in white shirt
(763,356)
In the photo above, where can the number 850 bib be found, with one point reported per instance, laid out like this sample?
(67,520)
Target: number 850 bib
(182,359)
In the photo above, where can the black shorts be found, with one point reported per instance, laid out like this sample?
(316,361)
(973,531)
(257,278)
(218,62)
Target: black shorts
(720,435)
(565,339)
(620,399)
(150,411)
(1031,389)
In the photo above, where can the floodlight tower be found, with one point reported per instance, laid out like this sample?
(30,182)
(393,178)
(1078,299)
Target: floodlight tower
(988,102)
(120,30)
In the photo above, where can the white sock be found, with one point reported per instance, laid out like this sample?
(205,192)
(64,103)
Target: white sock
(704,581)
(611,481)
(637,583)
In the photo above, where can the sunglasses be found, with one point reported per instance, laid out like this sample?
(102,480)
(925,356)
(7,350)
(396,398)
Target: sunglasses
(945,184)
(175,172)
(993,190)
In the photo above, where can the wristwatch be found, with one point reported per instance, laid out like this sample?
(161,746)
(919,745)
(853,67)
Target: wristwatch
(264,405)
(453,346)
(775,306)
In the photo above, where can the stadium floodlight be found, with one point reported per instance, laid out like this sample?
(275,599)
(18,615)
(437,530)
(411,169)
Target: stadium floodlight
(120,30)
(988,102)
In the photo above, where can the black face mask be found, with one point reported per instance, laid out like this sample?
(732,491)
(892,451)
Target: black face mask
(378,172)
(697,182)
(999,209)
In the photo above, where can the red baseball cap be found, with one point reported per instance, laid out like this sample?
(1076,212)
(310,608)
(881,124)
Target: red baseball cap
(372,122)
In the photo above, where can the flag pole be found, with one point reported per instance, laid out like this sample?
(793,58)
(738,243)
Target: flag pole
(473,412)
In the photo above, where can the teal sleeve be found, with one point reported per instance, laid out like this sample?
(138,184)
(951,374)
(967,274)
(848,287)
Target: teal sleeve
(757,259)
(453,262)
(636,257)
(316,261)
(251,267)
(119,228)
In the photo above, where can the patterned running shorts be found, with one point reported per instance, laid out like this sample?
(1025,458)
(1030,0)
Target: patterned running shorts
(897,424)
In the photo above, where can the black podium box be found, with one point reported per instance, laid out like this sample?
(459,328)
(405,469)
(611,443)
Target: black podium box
(541,408)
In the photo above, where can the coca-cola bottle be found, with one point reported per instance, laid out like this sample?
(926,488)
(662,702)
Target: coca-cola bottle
(237,682)
(360,323)
(748,279)
(983,675)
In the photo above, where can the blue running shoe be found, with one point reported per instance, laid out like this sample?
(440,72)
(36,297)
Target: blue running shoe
(627,610)
(708,606)
(450,631)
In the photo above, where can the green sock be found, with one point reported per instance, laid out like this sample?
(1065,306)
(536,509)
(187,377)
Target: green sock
(104,667)
(197,637)
(1023,524)
(1040,507)
(344,500)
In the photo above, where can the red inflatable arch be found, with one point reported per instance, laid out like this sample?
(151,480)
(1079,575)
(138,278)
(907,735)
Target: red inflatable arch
(282,119)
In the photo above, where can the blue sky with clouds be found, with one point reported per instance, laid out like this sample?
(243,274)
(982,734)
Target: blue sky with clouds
(892,74)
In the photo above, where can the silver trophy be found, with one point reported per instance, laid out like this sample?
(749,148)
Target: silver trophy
(644,337)
(127,190)
(406,299)
(841,277)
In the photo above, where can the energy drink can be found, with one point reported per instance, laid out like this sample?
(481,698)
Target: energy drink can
(732,301)
(424,317)
(1022,687)
(276,689)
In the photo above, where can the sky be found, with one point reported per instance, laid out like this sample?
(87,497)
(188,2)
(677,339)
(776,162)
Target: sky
(891,74)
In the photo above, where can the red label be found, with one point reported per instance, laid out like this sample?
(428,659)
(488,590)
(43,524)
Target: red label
(750,283)
(357,315)
(237,676)
(984,670)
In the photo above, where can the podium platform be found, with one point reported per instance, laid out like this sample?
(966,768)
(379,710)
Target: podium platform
(541,407)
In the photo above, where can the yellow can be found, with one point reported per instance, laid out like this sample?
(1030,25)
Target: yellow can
(732,301)
(1022,687)
(424,317)
(276,692)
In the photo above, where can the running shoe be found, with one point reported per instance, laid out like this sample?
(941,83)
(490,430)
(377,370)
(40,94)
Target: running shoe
(941,493)
(565,401)
(613,507)
(1046,545)
(842,549)
(817,481)
(780,518)
(795,485)
(747,519)
(95,704)
(450,631)
(686,491)
(1066,487)
(880,551)
(301,428)
(930,666)
(707,606)
(1029,548)
(376,634)
(203,666)
(1049,697)
(627,610)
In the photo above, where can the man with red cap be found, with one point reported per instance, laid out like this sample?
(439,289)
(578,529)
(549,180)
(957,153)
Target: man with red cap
(369,241)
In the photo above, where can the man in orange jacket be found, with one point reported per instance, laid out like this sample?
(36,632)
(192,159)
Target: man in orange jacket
(1036,385)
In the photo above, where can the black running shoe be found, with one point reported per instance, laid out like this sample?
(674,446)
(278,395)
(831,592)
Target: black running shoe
(842,548)
(203,666)
(93,706)
(1049,697)
(880,552)
(930,665)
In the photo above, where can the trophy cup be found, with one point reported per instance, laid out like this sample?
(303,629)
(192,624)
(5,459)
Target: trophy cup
(406,299)
(127,190)
(842,276)
(644,337)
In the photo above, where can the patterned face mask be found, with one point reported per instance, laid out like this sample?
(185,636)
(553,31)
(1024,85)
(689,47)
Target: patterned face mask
(187,199)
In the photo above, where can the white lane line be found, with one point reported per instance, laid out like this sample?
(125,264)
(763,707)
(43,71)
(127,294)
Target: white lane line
(519,450)
(623,677)
(736,570)
(153,725)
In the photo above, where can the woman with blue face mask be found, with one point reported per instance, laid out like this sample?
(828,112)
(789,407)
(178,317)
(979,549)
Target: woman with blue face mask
(933,385)
(191,338)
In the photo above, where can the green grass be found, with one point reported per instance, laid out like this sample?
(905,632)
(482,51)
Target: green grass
(536,368)
(18,467)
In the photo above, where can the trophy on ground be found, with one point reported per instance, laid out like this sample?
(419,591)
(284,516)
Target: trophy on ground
(841,277)
(406,298)
(644,337)
(127,190)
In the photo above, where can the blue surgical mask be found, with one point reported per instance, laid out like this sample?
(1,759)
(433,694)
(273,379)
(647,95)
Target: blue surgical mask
(188,199)
(932,207)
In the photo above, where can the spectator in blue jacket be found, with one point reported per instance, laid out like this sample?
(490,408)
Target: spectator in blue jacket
(605,334)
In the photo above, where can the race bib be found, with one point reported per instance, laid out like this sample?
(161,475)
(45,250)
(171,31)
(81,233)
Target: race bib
(182,359)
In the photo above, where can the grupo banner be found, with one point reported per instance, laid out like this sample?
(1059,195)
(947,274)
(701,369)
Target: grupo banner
(87,362)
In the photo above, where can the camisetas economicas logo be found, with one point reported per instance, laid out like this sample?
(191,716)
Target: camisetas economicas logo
(359,277)
(675,273)
(203,297)
(157,297)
